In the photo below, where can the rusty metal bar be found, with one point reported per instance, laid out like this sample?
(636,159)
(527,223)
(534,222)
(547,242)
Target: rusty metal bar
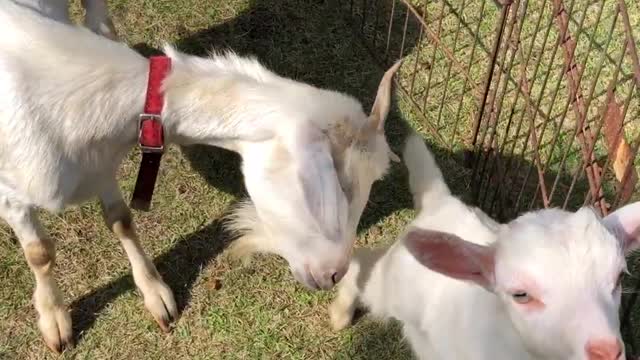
(628,168)
(561,39)
(393,9)
(623,180)
(566,107)
(559,126)
(522,154)
(446,81)
(540,187)
(532,134)
(619,133)
(404,34)
(522,83)
(417,51)
(547,203)
(435,38)
(487,87)
(466,77)
(622,7)
(495,113)
(610,97)
(585,137)
(433,57)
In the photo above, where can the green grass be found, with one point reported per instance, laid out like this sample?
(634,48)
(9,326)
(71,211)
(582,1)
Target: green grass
(258,311)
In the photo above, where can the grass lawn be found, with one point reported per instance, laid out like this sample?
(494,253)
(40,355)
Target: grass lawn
(229,311)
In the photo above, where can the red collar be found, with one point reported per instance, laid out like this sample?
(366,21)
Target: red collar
(151,134)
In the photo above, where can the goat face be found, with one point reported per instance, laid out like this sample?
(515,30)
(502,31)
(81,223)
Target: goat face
(309,189)
(556,274)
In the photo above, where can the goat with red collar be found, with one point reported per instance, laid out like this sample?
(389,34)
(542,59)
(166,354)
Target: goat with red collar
(73,104)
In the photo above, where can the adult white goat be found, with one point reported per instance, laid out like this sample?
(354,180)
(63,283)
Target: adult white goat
(69,106)
(547,285)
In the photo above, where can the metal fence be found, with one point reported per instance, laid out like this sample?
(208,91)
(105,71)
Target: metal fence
(542,97)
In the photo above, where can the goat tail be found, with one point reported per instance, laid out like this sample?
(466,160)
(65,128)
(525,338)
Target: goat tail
(426,182)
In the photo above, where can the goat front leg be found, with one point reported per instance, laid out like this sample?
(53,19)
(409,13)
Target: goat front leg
(353,288)
(158,298)
(54,319)
(97,18)
(343,308)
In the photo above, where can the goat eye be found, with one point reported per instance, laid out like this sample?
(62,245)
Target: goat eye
(521,297)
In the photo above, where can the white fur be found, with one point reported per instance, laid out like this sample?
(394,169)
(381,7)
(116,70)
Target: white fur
(573,257)
(69,102)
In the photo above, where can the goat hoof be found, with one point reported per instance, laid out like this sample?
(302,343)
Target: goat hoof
(59,345)
(55,326)
(158,299)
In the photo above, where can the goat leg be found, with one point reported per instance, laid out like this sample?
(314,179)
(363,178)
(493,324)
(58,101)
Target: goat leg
(158,297)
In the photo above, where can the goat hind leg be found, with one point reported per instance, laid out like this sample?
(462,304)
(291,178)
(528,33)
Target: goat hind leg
(158,297)
(98,20)
(54,319)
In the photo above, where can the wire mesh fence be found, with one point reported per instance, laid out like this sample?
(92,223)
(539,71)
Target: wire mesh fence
(542,97)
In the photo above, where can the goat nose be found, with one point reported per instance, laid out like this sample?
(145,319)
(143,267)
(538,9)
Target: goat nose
(331,278)
(604,349)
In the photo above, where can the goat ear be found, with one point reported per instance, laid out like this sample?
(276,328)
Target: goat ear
(449,255)
(382,104)
(323,194)
(624,223)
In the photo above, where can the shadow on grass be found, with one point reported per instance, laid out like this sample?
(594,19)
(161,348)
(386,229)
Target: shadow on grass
(310,41)
(179,268)
(373,340)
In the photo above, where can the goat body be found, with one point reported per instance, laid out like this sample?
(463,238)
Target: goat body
(545,283)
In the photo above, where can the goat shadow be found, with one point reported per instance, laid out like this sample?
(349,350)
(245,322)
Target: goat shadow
(314,42)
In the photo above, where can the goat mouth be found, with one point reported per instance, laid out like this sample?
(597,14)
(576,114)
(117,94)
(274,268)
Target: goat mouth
(306,278)
(312,283)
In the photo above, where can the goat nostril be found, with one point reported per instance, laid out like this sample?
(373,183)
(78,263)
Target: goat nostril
(337,276)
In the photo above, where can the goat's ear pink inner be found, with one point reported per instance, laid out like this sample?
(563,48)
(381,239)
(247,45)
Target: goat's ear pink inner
(452,256)
(624,223)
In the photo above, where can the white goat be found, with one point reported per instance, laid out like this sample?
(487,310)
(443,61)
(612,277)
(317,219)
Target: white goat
(69,106)
(547,285)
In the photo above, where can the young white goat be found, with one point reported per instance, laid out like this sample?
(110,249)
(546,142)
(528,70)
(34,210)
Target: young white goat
(544,286)
(69,106)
